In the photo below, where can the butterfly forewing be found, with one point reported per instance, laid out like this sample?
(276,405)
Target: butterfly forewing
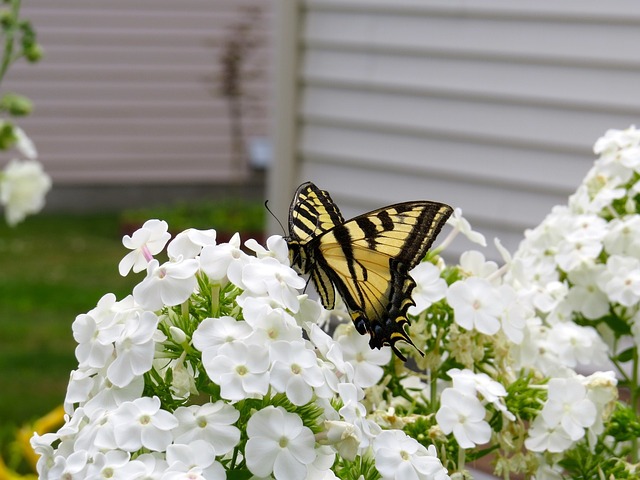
(312,213)
(367,258)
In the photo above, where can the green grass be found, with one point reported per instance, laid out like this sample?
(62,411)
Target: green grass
(52,268)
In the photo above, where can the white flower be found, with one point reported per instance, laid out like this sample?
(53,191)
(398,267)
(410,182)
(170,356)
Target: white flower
(114,464)
(168,284)
(240,370)
(366,361)
(461,225)
(544,437)
(271,278)
(476,305)
(142,423)
(212,333)
(472,383)
(24,144)
(95,341)
(585,296)
(514,315)
(294,371)
(189,244)
(577,345)
(195,460)
(463,415)
(343,436)
(23,186)
(400,457)
(276,248)
(224,261)
(71,468)
(429,289)
(621,280)
(623,236)
(147,241)
(279,444)
(567,405)
(474,264)
(134,349)
(212,422)
(355,413)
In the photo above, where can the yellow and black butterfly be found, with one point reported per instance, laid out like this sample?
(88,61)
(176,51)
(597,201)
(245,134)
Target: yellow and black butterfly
(367,259)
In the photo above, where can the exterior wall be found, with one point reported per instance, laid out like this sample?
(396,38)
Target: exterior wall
(127,91)
(492,106)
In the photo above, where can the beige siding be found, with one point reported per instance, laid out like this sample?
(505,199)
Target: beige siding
(492,106)
(126,93)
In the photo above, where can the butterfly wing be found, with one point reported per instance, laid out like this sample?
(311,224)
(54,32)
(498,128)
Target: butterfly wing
(368,260)
(312,213)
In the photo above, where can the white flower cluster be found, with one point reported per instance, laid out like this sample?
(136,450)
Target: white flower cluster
(23,183)
(216,364)
(581,265)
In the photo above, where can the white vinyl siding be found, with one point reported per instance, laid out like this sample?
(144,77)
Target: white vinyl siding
(492,106)
(125,93)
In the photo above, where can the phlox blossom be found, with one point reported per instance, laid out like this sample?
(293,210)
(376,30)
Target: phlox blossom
(147,241)
(195,460)
(476,305)
(189,243)
(430,287)
(168,284)
(621,280)
(212,422)
(271,278)
(23,186)
(568,405)
(279,444)
(367,362)
(224,261)
(240,369)
(294,371)
(400,457)
(142,423)
(134,349)
(463,415)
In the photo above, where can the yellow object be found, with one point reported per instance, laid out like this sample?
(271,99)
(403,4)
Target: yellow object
(366,259)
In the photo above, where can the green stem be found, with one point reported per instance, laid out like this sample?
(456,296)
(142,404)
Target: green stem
(9,40)
(635,391)
(215,300)
(461,459)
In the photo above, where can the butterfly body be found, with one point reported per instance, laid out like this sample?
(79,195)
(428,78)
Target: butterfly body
(366,259)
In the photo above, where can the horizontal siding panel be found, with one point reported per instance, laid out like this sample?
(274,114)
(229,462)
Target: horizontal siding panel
(565,41)
(618,11)
(165,6)
(432,157)
(573,86)
(356,190)
(53,127)
(523,125)
(180,110)
(204,73)
(98,91)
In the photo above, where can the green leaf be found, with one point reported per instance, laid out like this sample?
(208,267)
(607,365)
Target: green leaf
(626,356)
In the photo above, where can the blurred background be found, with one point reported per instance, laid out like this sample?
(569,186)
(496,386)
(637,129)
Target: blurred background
(198,111)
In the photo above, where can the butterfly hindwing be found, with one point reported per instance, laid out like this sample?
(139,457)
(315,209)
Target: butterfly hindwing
(366,259)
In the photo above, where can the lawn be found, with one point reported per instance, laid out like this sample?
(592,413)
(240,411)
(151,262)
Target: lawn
(53,267)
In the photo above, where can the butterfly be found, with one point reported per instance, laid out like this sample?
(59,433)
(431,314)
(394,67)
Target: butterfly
(366,259)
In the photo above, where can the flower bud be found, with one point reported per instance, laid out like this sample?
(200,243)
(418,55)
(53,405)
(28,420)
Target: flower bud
(177,335)
(343,436)
(17,105)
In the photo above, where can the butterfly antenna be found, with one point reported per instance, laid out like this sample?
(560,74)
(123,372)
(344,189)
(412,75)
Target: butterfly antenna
(284,233)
